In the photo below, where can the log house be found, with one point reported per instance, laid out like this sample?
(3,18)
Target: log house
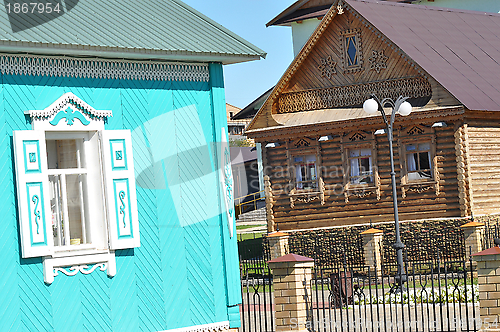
(327,164)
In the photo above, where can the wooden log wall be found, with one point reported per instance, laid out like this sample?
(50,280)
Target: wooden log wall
(337,212)
(484,148)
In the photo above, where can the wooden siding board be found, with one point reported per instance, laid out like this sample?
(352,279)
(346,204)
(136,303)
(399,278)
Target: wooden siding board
(484,143)
(10,316)
(96,304)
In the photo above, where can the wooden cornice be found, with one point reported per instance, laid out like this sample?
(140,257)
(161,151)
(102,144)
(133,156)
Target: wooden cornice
(273,133)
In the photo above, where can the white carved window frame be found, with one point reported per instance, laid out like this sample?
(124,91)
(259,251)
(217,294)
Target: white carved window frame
(117,223)
(424,135)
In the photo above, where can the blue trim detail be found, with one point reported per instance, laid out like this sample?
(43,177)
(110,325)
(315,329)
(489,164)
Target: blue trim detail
(36,213)
(120,210)
(30,156)
(70,117)
(118,155)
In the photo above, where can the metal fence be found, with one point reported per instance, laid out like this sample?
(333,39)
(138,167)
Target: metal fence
(257,307)
(440,296)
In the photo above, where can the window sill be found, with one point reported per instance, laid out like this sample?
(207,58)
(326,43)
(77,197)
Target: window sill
(77,250)
(306,196)
(361,191)
(78,262)
(419,186)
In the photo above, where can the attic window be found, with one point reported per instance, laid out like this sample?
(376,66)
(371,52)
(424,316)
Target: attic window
(352,55)
(351,47)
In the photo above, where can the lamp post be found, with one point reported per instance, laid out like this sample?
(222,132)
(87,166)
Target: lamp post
(402,107)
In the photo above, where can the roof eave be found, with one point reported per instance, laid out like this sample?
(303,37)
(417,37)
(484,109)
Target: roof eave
(124,53)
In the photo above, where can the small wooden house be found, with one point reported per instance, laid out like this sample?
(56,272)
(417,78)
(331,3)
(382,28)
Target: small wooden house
(116,181)
(328,161)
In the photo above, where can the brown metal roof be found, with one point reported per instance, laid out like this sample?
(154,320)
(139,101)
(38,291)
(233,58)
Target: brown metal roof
(460,49)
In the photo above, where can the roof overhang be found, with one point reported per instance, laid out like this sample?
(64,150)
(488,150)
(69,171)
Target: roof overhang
(123,53)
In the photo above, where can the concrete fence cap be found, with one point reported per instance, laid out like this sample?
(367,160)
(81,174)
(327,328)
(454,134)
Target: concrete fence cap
(276,234)
(371,231)
(472,224)
(291,258)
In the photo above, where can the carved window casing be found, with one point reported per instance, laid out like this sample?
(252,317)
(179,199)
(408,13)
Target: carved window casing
(352,55)
(419,171)
(304,165)
(76,189)
(359,159)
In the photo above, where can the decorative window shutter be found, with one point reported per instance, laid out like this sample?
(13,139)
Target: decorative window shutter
(119,182)
(35,217)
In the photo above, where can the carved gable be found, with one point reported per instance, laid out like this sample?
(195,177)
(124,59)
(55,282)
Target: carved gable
(345,61)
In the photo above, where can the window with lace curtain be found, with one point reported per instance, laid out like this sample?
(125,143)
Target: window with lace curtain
(360,166)
(418,161)
(306,176)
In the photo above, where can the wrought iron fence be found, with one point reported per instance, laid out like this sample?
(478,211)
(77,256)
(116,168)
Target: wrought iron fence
(436,297)
(491,232)
(257,307)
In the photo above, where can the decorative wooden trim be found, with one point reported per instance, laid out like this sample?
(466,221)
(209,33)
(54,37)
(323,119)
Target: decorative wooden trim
(327,67)
(274,133)
(352,95)
(417,133)
(35,65)
(268,191)
(418,187)
(378,61)
(213,327)
(306,197)
(361,192)
(68,99)
(359,50)
(463,171)
(51,266)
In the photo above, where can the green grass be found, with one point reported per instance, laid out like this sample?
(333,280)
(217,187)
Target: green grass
(247,226)
(248,236)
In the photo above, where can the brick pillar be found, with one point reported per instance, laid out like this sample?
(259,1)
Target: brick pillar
(474,234)
(488,268)
(292,284)
(278,244)
(372,242)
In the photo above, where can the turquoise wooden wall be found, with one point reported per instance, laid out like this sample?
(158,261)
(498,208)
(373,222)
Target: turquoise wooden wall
(186,271)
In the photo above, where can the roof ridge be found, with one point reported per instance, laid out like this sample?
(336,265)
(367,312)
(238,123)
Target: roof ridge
(424,7)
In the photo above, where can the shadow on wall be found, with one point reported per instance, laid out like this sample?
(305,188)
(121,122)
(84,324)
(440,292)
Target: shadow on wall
(171,151)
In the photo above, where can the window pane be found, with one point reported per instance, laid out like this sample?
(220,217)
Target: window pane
(424,160)
(75,209)
(353,153)
(411,147)
(424,146)
(297,159)
(62,154)
(56,209)
(351,51)
(311,158)
(366,152)
(412,162)
(365,165)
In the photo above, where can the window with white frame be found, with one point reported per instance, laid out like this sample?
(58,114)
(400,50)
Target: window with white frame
(360,164)
(76,187)
(306,176)
(418,161)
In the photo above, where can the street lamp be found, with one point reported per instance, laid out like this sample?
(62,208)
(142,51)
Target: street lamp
(402,107)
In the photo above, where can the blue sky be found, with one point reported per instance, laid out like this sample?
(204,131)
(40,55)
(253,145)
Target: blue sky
(244,82)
